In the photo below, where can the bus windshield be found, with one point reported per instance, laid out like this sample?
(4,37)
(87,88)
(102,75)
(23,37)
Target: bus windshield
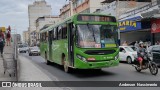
(97,36)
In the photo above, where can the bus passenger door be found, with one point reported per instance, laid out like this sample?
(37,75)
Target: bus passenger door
(50,45)
(70,44)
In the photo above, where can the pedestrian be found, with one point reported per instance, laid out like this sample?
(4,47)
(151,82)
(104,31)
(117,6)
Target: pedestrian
(136,44)
(2,42)
(8,36)
(125,43)
(140,53)
(158,43)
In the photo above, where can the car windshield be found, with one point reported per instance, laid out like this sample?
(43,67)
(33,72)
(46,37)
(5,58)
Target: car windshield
(129,49)
(25,46)
(20,46)
(34,48)
(134,48)
(97,36)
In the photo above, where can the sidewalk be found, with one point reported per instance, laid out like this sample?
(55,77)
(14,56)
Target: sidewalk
(29,72)
(7,56)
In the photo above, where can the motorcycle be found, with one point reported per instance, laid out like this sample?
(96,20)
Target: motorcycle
(147,63)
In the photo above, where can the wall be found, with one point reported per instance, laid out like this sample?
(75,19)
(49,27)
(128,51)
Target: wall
(81,7)
(95,4)
(65,11)
(142,7)
(37,9)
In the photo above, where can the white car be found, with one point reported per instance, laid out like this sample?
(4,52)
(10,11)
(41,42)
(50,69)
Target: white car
(22,48)
(34,51)
(127,54)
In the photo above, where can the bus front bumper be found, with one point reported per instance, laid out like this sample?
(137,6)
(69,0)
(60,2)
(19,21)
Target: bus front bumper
(96,65)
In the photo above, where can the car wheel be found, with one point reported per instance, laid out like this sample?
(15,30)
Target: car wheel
(129,60)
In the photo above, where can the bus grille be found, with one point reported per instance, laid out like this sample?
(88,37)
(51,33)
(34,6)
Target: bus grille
(99,52)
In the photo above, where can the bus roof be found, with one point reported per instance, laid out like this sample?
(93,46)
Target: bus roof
(54,25)
(72,18)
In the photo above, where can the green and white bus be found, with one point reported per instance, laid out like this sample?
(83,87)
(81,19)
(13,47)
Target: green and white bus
(83,41)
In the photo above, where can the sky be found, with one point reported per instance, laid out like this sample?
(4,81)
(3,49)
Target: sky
(15,13)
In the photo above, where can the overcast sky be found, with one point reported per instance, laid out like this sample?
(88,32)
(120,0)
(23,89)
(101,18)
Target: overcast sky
(15,12)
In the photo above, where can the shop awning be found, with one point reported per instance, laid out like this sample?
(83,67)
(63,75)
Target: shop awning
(151,15)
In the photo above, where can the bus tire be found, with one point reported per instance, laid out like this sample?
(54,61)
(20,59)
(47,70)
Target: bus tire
(67,69)
(47,61)
(129,60)
(98,70)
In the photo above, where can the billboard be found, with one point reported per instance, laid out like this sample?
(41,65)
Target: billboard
(130,24)
(155,26)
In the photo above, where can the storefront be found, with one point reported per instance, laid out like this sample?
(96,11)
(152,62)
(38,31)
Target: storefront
(155,30)
(134,29)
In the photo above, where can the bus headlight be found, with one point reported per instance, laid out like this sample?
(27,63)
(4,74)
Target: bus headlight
(81,58)
(116,57)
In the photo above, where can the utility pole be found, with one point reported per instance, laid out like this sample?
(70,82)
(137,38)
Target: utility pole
(117,17)
(70,2)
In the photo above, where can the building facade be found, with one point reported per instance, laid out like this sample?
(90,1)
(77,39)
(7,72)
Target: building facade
(66,11)
(118,7)
(85,6)
(26,37)
(38,9)
(45,20)
(142,23)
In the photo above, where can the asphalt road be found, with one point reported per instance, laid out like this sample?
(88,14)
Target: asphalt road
(124,72)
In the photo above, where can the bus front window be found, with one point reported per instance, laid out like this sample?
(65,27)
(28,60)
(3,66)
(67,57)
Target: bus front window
(96,36)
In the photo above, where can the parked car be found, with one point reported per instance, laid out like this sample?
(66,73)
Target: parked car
(134,48)
(22,48)
(127,54)
(34,51)
(154,51)
(132,43)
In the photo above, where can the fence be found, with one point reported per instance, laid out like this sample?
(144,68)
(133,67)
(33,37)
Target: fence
(10,60)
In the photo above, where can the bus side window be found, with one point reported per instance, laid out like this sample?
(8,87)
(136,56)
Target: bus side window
(64,32)
(56,33)
(59,32)
(45,37)
(52,34)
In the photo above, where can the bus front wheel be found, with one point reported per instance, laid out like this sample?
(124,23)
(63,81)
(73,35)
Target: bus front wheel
(67,69)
